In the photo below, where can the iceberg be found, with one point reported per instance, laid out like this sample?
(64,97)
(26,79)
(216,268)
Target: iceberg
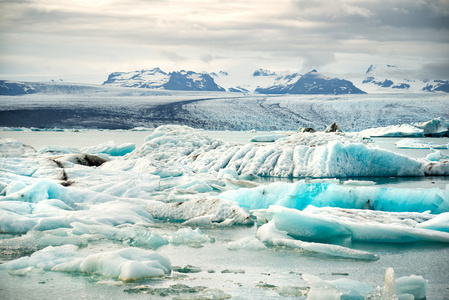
(437,156)
(182,190)
(359,225)
(301,194)
(403,130)
(126,264)
(418,144)
(438,127)
(336,289)
(57,150)
(300,155)
(111,149)
(201,212)
(247,243)
(267,138)
(269,234)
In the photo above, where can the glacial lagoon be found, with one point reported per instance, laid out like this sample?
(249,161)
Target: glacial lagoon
(133,203)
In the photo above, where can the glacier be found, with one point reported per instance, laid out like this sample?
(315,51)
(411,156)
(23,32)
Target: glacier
(183,197)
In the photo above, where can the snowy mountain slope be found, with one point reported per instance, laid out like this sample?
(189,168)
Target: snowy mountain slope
(260,81)
(15,88)
(158,79)
(154,78)
(219,111)
(391,78)
(311,83)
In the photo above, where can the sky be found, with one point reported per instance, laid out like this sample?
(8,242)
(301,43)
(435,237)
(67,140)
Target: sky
(85,40)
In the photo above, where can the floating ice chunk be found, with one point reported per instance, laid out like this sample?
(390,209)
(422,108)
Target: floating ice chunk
(269,234)
(336,289)
(189,236)
(320,139)
(320,289)
(436,156)
(414,285)
(111,149)
(361,225)
(418,144)
(13,148)
(140,237)
(125,264)
(352,289)
(301,225)
(300,155)
(247,243)
(359,182)
(394,130)
(220,211)
(389,291)
(320,194)
(440,223)
(267,138)
(177,143)
(59,237)
(44,259)
(58,150)
(438,127)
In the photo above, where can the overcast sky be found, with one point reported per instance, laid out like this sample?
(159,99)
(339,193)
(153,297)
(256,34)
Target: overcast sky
(85,40)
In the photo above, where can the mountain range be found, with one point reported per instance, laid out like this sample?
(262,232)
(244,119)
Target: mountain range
(376,79)
(383,78)
(309,83)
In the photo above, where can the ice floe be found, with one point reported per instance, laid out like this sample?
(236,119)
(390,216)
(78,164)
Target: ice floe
(201,212)
(125,264)
(434,128)
(359,225)
(418,144)
(270,234)
(301,194)
(268,138)
(181,179)
(111,149)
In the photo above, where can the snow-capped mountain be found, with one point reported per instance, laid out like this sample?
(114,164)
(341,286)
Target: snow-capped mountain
(262,72)
(158,79)
(260,81)
(383,78)
(310,83)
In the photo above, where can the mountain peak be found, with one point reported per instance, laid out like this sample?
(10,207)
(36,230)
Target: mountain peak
(157,79)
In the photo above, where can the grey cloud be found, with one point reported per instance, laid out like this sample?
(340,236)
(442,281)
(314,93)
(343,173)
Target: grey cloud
(308,33)
(172,56)
(435,71)
(317,60)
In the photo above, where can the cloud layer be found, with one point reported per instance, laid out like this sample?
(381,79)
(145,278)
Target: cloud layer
(83,38)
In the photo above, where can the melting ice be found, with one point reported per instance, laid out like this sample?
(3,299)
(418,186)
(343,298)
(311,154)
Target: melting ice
(58,204)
